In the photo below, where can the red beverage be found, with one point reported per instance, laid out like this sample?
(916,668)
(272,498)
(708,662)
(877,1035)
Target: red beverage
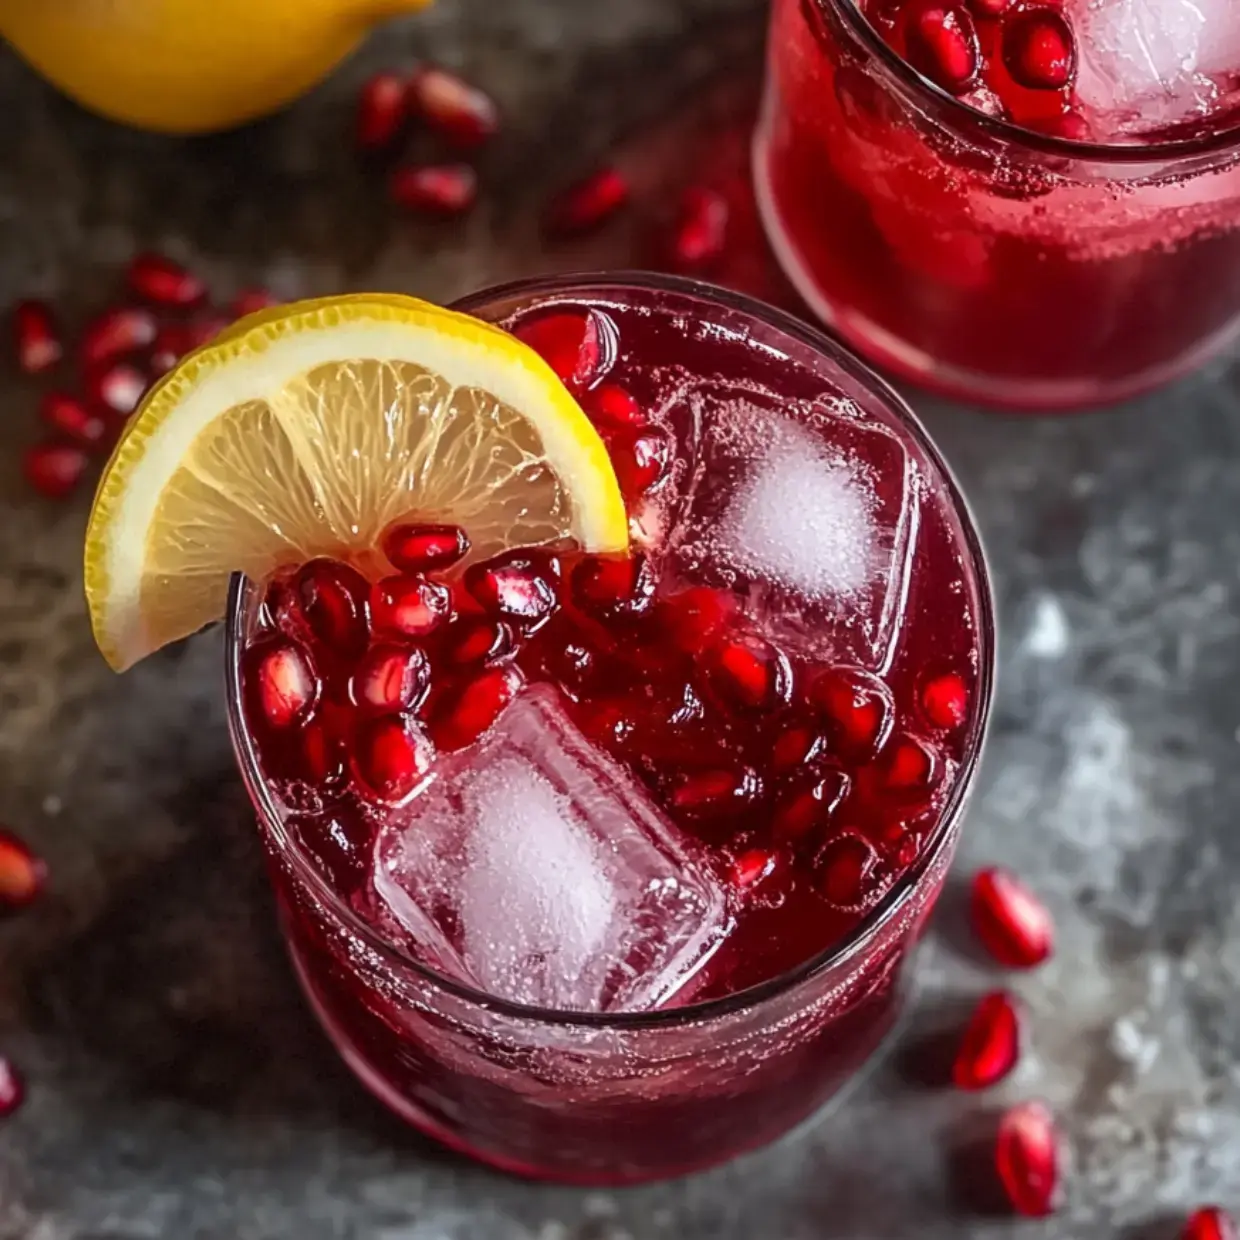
(606,869)
(1009,202)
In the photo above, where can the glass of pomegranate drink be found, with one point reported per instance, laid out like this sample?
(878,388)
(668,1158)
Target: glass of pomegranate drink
(1030,203)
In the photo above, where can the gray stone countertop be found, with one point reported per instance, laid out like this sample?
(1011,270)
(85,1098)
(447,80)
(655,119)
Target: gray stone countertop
(179,1089)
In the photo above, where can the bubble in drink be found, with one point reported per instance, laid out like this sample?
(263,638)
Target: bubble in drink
(536,870)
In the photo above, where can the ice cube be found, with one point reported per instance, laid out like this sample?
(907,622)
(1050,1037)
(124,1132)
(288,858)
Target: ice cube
(1146,64)
(535,869)
(809,513)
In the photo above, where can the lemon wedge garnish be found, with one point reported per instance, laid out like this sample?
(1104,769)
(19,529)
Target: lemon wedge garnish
(306,430)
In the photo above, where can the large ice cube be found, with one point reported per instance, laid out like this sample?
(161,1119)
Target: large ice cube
(1146,64)
(809,513)
(537,870)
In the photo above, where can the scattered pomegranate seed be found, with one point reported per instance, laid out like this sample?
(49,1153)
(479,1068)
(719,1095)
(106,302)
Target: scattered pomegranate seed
(159,279)
(251,301)
(410,605)
(845,866)
(578,347)
(1027,1158)
(381,111)
(72,418)
(54,469)
(941,43)
(121,330)
(641,460)
(809,807)
(519,585)
(615,407)
(322,755)
(473,708)
(12,1087)
(795,746)
(752,866)
(118,386)
(856,705)
(477,641)
(285,682)
(695,617)
(462,113)
(944,701)
(1209,1223)
(712,791)
(22,873)
(909,765)
(1038,48)
(35,337)
(588,204)
(391,679)
(701,232)
(435,189)
(424,548)
(388,759)
(1010,920)
(750,672)
(991,1043)
(331,598)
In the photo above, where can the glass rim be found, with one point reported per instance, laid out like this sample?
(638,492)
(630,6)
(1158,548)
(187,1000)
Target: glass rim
(893,901)
(1049,144)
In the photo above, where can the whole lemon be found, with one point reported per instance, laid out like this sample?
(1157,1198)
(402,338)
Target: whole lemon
(189,66)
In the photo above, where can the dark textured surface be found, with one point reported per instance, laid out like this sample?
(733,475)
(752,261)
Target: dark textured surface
(179,1089)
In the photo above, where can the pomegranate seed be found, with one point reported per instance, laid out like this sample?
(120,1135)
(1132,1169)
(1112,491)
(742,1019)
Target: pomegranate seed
(435,189)
(989,8)
(22,873)
(72,418)
(118,386)
(54,469)
(578,347)
(331,598)
(462,113)
(1038,48)
(519,585)
(321,755)
(751,673)
(35,337)
(941,43)
(845,866)
(1027,1158)
(698,241)
(751,867)
(944,701)
(588,204)
(157,278)
(1010,920)
(12,1087)
(612,406)
(391,679)
(613,586)
(1209,1223)
(794,747)
(477,641)
(410,605)
(251,301)
(641,460)
(381,110)
(1070,125)
(909,765)
(388,759)
(284,680)
(474,707)
(857,706)
(711,791)
(806,809)
(339,844)
(990,1046)
(424,548)
(121,330)
(696,616)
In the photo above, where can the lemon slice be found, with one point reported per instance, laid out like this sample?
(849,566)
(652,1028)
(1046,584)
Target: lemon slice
(305,431)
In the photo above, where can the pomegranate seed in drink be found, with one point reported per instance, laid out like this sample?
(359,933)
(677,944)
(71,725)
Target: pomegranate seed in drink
(73,419)
(752,866)
(712,792)
(1012,923)
(12,1087)
(578,347)
(910,765)
(641,460)
(990,8)
(805,812)
(391,679)
(991,1044)
(588,204)
(615,407)
(1027,1159)
(612,586)
(389,759)
(857,708)
(285,683)
(165,282)
(476,641)
(22,873)
(750,673)
(845,868)
(796,746)
(381,111)
(462,113)
(115,333)
(35,337)
(1038,48)
(1209,1223)
(331,598)
(251,301)
(941,43)
(424,548)
(117,386)
(434,189)
(695,617)
(701,231)
(474,707)
(519,586)
(944,701)
(410,605)
(54,469)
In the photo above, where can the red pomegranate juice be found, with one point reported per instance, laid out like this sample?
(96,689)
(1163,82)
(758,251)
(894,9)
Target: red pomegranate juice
(564,843)
(1010,201)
